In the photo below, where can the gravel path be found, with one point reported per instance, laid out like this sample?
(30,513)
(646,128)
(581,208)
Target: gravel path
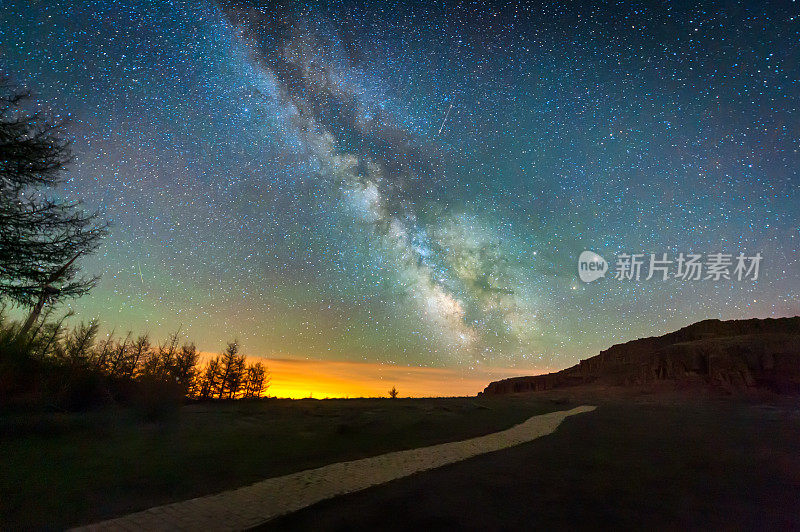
(255,504)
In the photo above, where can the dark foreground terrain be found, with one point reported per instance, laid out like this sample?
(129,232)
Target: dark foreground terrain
(656,460)
(64,469)
(646,462)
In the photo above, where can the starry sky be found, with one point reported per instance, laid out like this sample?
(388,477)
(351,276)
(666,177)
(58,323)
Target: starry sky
(412,182)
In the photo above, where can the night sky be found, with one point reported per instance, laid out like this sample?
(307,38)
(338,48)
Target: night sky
(413,182)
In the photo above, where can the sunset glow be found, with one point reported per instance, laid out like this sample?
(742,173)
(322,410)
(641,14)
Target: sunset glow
(320,379)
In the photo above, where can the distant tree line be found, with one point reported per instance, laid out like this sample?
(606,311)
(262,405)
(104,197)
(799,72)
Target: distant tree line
(227,376)
(74,368)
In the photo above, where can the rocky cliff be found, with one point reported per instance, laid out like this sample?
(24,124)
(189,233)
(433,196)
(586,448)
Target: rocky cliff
(732,355)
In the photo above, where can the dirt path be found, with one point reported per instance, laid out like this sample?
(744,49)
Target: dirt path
(255,504)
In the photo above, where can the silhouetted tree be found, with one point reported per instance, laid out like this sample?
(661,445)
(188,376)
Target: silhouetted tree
(140,350)
(184,369)
(151,367)
(256,380)
(48,335)
(41,235)
(117,354)
(393,393)
(162,363)
(78,349)
(103,357)
(167,354)
(232,371)
(210,378)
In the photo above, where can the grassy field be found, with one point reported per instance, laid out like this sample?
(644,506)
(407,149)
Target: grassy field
(68,469)
(655,463)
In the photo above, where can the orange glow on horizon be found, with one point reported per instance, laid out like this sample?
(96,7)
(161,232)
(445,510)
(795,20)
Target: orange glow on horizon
(320,379)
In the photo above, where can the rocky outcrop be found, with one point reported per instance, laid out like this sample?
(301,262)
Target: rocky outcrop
(732,355)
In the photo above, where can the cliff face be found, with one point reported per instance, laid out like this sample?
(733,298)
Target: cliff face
(734,355)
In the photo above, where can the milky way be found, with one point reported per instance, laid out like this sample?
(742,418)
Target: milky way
(382,173)
(414,182)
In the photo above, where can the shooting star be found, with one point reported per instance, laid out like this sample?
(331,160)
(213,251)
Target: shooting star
(445,119)
(140,273)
